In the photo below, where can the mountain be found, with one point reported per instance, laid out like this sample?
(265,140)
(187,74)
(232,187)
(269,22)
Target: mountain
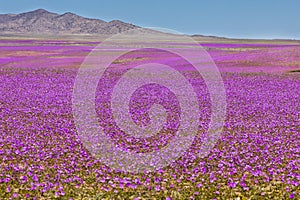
(42,21)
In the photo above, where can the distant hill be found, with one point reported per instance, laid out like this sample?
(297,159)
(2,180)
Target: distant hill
(45,24)
(42,21)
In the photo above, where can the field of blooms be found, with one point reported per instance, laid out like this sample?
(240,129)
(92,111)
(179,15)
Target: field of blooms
(42,157)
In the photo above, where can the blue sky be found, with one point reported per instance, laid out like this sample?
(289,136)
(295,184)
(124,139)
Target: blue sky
(229,18)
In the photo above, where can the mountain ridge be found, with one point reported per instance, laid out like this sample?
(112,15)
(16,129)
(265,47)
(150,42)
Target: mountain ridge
(43,21)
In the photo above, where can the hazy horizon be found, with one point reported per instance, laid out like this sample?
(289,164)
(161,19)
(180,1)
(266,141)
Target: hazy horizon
(241,20)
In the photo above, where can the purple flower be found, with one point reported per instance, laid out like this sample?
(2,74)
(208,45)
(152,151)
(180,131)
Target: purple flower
(232,183)
(35,178)
(292,195)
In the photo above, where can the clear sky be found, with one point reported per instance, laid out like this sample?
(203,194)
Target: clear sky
(229,18)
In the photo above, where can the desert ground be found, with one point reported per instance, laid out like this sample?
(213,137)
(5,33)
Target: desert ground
(42,157)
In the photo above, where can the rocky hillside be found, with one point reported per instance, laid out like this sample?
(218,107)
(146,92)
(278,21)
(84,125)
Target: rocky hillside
(42,21)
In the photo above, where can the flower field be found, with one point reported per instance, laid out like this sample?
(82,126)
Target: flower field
(42,157)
